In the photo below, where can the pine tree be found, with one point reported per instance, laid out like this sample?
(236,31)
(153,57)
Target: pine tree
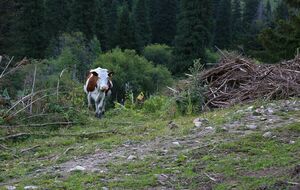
(142,27)
(111,15)
(56,17)
(82,16)
(193,33)
(281,11)
(224,25)
(125,36)
(237,25)
(100,25)
(30,30)
(164,21)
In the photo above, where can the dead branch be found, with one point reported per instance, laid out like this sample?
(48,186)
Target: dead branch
(32,90)
(29,149)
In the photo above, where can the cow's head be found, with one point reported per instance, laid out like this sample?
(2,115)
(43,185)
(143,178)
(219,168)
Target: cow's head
(104,78)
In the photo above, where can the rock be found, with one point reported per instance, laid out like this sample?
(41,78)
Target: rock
(131,157)
(258,112)
(10,187)
(209,128)
(176,143)
(292,142)
(161,178)
(251,127)
(172,125)
(263,119)
(77,168)
(198,122)
(249,109)
(105,188)
(30,187)
(270,110)
(267,135)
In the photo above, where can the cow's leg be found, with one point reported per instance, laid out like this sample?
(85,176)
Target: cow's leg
(100,105)
(89,98)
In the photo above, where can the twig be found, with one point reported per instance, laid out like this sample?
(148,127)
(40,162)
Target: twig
(32,90)
(58,83)
(9,62)
(68,149)
(211,178)
(14,136)
(41,124)
(29,149)
(5,147)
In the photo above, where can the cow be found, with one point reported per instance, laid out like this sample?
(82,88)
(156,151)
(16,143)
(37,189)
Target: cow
(98,88)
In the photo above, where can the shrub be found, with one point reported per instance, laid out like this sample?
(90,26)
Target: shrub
(160,54)
(134,72)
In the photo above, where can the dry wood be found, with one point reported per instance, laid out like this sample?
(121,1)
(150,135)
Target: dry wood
(32,90)
(29,149)
(240,80)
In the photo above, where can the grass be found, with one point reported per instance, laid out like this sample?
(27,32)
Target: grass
(240,162)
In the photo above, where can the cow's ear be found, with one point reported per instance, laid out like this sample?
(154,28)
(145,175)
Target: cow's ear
(111,73)
(94,73)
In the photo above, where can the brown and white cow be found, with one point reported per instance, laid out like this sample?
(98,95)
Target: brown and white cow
(98,88)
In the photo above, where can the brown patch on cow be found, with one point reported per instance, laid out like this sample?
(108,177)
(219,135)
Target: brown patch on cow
(92,84)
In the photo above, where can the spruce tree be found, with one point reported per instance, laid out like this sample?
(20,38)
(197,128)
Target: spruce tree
(99,25)
(237,25)
(224,25)
(56,17)
(82,16)
(164,21)
(111,14)
(142,26)
(125,37)
(193,33)
(30,30)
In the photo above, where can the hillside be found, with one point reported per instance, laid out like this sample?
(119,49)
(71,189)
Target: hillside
(244,147)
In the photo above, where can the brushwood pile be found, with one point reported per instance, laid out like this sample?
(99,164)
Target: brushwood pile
(238,79)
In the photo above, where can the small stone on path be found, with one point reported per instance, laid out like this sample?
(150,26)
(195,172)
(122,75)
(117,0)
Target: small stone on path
(30,187)
(78,168)
(10,187)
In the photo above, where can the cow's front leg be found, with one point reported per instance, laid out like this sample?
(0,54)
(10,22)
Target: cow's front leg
(100,106)
(89,98)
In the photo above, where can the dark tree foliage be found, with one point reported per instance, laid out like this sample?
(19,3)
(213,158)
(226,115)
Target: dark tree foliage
(142,26)
(163,20)
(125,36)
(29,31)
(6,23)
(99,25)
(223,30)
(82,17)
(110,8)
(56,17)
(282,11)
(237,23)
(193,33)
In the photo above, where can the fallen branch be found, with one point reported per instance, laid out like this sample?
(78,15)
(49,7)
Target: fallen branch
(29,149)
(211,178)
(14,136)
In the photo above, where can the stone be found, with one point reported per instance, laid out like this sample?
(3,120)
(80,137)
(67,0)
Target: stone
(131,157)
(267,135)
(30,187)
(77,168)
(209,128)
(10,187)
(198,122)
(251,127)
(292,142)
(176,143)
(105,188)
(270,110)
(172,125)
(249,109)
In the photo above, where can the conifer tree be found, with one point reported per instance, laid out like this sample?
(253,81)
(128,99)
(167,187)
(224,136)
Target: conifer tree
(142,26)
(163,23)
(224,25)
(193,33)
(125,36)
(111,16)
(99,25)
(30,29)
(237,25)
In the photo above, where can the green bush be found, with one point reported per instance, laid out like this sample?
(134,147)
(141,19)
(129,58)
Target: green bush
(159,54)
(134,72)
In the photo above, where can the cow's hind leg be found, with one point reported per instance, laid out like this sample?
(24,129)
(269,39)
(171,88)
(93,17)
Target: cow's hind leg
(89,98)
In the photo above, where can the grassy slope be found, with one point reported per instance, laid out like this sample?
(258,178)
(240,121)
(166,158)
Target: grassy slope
(218,160)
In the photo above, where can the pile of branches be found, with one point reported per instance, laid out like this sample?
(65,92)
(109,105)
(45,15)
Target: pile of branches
(240,80)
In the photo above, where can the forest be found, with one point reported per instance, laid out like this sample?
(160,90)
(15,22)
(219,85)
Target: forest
(205,94)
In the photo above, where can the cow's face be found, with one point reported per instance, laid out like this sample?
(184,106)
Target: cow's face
(103,78)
